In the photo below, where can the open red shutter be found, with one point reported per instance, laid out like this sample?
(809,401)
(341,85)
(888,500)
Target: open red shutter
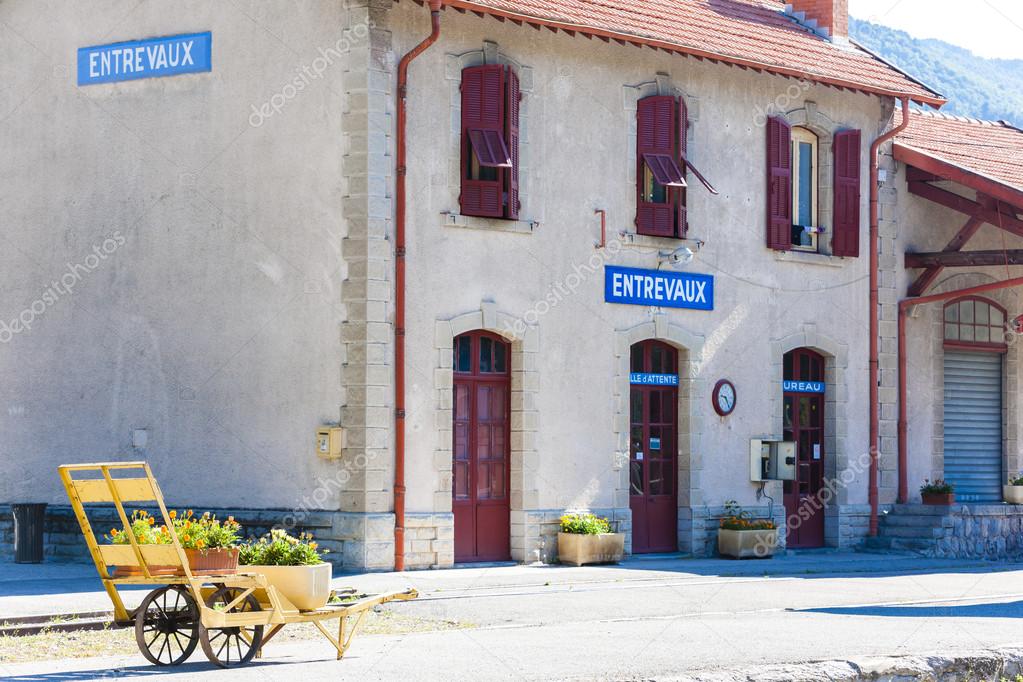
(514,96)
(681,193)
(846,237)
(779,184)
(656,131)
(482,109)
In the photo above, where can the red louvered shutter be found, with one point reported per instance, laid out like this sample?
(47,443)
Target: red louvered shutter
(682,193)
(846,237)
(514,97)
(483,95)
(779,184)
(656,131)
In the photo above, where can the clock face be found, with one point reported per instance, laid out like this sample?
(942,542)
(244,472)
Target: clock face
(724,397)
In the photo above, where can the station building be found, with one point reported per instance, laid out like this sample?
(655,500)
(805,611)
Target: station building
(513,259)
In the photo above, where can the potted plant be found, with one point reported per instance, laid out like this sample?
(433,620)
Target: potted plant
(294,565)
(938,492)
(740,536)
(210,544)
(587,539)
(1013,493)
(146,532)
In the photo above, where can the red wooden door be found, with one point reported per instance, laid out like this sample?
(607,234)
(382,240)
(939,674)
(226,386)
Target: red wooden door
(653,465)
(481,468)
(803,415)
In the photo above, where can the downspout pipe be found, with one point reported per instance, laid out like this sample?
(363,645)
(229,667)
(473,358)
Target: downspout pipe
(905,306)
(399,284)
(875,315)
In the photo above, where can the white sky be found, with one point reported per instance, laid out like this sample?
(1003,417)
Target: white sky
(989,28)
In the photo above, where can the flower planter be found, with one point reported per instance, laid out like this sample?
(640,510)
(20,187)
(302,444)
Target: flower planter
(577,549)
(307,587)
(1013,494)
(940,499)
(744,544)
(219,561)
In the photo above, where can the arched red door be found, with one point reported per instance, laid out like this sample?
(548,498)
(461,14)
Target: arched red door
(803,417)
(653,462)
(481,448)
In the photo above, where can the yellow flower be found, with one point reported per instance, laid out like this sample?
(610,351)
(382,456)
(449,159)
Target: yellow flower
(313,545)
(173,514)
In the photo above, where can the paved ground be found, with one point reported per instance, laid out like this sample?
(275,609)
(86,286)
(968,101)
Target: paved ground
(641,620)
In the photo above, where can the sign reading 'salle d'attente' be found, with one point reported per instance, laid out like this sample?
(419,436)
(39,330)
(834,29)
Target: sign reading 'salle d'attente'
(148,58)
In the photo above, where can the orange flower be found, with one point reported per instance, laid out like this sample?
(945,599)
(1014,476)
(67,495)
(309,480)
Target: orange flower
(173,514)
(113,531)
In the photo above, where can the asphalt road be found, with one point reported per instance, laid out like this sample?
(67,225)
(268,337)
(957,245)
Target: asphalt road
(645,620)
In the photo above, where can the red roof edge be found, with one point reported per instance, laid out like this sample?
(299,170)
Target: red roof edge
(953,172)
(589,31)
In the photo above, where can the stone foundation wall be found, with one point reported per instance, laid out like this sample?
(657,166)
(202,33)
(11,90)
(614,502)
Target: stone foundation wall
(992,532)
(429,540)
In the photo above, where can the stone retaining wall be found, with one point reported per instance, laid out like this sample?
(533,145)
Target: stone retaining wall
(981,532)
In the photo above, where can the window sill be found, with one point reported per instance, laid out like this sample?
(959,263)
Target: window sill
(810,258)
(489,224)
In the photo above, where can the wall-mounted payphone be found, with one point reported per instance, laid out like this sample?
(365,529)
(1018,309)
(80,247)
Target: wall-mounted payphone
(772,460)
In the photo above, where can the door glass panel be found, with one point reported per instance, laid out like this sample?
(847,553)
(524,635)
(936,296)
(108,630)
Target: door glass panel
(787,416)
(463,354)
(483,480)
(656,477)
(486,355)
(636,477)
(637,405)
(500,357)
(636,364)
(497,480)
(657,360)
(655,407)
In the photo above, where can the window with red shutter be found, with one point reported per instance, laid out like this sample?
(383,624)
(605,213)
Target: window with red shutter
(658,175)
(846,236)
(490,142)
(779,184)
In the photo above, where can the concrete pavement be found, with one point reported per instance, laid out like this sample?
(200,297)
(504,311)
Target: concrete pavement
(641,620)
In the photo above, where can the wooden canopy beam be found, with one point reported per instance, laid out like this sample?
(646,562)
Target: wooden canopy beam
(942,197)
(963,259)
(928,277)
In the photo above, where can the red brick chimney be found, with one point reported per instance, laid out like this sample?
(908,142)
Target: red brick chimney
(830,15)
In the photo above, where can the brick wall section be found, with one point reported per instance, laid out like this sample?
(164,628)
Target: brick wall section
(63,541)
(367,333)
(830,14)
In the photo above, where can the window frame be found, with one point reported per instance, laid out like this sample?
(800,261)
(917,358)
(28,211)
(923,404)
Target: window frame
(979,346)
(802,135)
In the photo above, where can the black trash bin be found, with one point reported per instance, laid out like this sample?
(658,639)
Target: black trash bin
(28,532)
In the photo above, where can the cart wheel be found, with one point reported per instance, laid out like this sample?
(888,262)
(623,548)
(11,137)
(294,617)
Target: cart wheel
(231,646)
(167,625)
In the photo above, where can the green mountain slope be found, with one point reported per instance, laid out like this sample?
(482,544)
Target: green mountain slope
(990,89)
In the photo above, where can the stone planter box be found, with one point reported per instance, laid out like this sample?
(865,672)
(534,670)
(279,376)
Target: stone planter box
(577,549)
(746,544)
(1013,494)
(307,587)
(940,499)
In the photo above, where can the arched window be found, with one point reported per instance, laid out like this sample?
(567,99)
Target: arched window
(973,322)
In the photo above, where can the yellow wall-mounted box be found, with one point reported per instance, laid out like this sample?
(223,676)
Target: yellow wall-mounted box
(329,442)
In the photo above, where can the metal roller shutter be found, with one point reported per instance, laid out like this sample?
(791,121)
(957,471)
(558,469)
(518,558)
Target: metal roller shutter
(973,425)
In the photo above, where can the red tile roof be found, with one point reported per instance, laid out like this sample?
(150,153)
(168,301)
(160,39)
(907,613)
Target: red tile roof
(750,33)
(985,149)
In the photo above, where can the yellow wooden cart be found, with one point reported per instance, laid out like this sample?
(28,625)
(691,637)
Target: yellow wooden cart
(232,615)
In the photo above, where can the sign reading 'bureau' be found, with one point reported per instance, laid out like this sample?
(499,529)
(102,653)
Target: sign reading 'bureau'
(149,58)
(668,289)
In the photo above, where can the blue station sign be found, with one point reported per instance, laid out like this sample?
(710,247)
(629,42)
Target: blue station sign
(633,286)
(803,386)
(642,379)
(148,58)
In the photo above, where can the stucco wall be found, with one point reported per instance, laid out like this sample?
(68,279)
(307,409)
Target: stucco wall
(926,227)
(578,155)
(213,323)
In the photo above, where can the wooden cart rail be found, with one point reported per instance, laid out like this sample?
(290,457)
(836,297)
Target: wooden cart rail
(225,613)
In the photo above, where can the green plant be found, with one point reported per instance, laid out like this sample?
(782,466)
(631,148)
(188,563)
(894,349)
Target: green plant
(205,532)
(277,548)
(736,518)
(1016,480)
(584,524)
(936,487)
(145,530)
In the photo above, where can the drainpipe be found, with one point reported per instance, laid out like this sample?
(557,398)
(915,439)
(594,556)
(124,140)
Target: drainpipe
(904,307)
(875,321)
(399,286)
